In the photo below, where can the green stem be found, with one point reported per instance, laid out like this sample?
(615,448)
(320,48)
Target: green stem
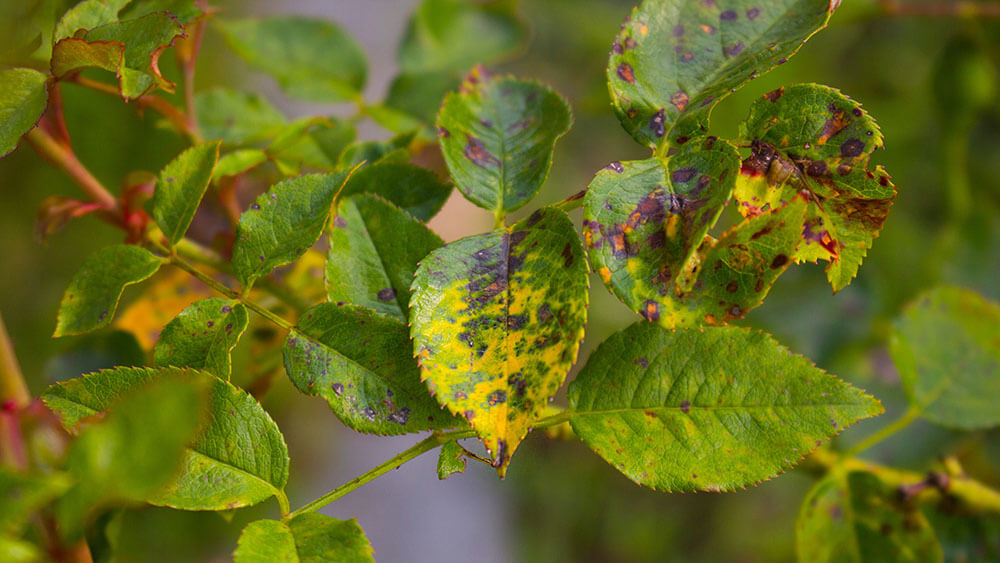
(434,440)
(12,385)
(228,292)
(902,422)
(498,219)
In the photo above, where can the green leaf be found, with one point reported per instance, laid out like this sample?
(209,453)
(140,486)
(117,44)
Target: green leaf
(813,139)
(203,336)
(283,223)
(236,117)
(454,35)
(374,250)
(184,11)
(497,135)
(417,190)
(238,459)
(313,141)
(420,94)
(965,536)
(238,162)
(180,187)
(946,349)
(13,550)
(497,321)
(23,494)
(362,364)
(395,149)
(855,517)
(311,59)
(713,409)
(307,538)
(139,41)
(92,297)
(674,60)
(133,452)
(644,220)
(451,460)
(23,96)
(87,15)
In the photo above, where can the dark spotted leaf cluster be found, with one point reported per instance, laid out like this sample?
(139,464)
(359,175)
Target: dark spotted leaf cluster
(674,60)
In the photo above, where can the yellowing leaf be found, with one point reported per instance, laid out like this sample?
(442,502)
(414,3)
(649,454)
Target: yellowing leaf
(497,320)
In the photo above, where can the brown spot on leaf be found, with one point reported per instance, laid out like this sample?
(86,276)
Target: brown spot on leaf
(728,16)
(386,295)
(477,153)
(683,175)
(616,167)
(732,286)
(651,310)
(680,100)
(685,406)
(657,123)
(733,50)
(834,125)
(779,261)
(752,13)
(852,147)
(625,73)
(775,95)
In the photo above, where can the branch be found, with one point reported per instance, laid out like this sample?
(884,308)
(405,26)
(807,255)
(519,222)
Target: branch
(63,158)
(175,116)
(12,385)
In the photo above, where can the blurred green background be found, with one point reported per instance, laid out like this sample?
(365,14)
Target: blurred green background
(929,81)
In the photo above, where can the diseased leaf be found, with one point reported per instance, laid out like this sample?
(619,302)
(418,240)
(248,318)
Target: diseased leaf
(203,336)
(946,349)
(133,452)
(497,321)
(417,190)
(362,364)
(644,220)
(23,97)
(139,41)
(180,187)
(451,460)
(812,138)
(711,409)
(454,35)
(238,459)
(236,117)
(307,538)
(21,495)
(373,254)
(311,59)
(646,224)
(92,297)
(283,223)
(674,60)
(497,136)
(854,517)
(87,15)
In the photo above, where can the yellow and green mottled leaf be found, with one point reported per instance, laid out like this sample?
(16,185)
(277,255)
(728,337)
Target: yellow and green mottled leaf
(674,60)
(180,187)
(23,96)
(711,409)
(812,138)
(497,321)
(283,223)
(854,517)
(947,351)
(202,336)
(646,224)
(374,250)
(238,458)
(307,538)
(92,297)
(497,135)
(312,59)
(362,364)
